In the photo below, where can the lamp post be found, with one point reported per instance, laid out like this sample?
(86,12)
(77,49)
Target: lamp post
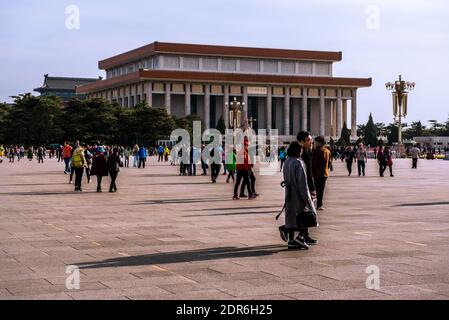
(235,113)
(400,90)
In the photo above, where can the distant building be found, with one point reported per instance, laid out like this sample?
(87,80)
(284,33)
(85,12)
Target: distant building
(288,90)
(432,142)
(62,87)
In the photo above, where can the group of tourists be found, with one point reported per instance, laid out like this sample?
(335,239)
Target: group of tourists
(241,174)
(359,155)
(13,152)
(94,160)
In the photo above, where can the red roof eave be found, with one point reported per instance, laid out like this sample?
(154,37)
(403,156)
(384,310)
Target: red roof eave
(213,50)
(257,79)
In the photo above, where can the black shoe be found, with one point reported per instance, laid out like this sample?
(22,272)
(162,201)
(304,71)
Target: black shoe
(298,243)
(309,241)
(282,233)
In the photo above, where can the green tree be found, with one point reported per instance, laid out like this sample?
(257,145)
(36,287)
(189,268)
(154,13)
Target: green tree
(370,134)
(392,133)
(436,128)
(221,126)
(152,124)
(345,136)
(4,112)
(416,129)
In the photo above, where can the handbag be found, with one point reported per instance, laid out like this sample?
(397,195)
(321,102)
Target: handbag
(308,218)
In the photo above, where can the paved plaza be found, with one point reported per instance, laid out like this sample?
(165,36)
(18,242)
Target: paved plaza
(168,237)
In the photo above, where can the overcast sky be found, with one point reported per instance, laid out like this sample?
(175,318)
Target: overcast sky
(379,39)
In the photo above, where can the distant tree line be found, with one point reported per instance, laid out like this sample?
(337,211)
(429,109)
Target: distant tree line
(46,120)
(371,132)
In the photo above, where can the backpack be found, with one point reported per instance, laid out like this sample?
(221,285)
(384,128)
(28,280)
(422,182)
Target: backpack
(78,160)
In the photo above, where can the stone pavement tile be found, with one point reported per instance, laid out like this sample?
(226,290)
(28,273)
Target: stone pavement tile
(404,279)
(201,275)
(209,294)
(273,289)
(24,283)
(116,293)
(25,290)
(153,281)
(351,294)
(40,297)
(317,281)
(440,288)
(5,293)
(191,287)
(420,296)
(398,290)
(412,270)
(269,297)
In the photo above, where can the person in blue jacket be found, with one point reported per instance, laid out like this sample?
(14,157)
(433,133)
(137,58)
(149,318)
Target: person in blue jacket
(142,156)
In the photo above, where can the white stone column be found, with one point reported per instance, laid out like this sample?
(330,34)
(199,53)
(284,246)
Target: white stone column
(287,112)
(322,105)
(168,97)
(354,114)
(339,124)
(187,102)
(207,106)
(344,112)
(226,109)
(245,100)
(269,109)
(304,109)
(149,93)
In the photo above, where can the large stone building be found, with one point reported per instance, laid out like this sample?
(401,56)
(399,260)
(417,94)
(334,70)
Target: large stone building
(289,90)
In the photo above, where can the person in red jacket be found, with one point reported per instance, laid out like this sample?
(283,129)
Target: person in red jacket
(243,170)
(67,155)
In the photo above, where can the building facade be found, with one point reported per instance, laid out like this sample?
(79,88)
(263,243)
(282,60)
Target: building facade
(62,87)
(288,90)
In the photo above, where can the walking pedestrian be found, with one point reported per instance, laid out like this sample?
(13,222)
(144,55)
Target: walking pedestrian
(136,155)
(362,158)
(88,157)
(320,169)
(243,168)
(415,152)
(297,198)
(2,153)
(231,164)
(349,158)
(142,154)
(114,163)
(127,154)
(215,165)
(381,161)
(389,160)
(282,156)
(40,155)
(79,163)
(99,168)
(67,155)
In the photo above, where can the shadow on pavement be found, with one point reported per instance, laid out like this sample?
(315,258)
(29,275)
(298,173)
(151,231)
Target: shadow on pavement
(233,213)
(424,204)
(176,201)
(184,256)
